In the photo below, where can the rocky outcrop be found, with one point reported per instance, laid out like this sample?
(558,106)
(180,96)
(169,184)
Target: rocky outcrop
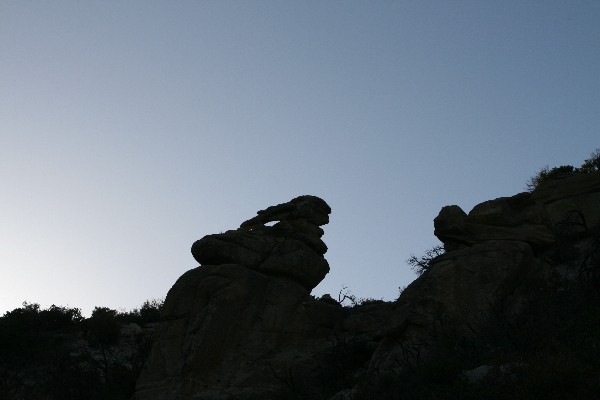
(244,326)
(292,248)
(496,258)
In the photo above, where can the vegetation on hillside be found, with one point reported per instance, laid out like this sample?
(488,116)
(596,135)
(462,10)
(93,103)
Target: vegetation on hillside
(55,353)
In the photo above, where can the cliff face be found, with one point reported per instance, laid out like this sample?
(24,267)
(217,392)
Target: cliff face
(244,326)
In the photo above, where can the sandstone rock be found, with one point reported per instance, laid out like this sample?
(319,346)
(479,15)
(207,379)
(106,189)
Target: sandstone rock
(291,248)
(450,227)
(495,220)
(230,332)
(293,259)
(476,375)
(509,212)
(329,300)
(216,320)
(232,247)
(460,288)
(306,208)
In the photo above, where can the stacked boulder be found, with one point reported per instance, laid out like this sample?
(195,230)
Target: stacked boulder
(291,248)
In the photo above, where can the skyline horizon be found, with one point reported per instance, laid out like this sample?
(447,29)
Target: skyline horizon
(129,130)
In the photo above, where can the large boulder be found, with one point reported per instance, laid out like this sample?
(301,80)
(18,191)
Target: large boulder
(502,219)
(220,326)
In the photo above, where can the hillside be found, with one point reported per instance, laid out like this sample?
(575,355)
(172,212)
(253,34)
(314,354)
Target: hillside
(510,310)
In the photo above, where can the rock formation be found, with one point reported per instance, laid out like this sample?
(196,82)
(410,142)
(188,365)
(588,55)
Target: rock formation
(497,259)
(291,248)
(244,326)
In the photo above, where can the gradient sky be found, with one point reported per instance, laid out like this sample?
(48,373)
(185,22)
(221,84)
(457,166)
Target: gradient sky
(130,129)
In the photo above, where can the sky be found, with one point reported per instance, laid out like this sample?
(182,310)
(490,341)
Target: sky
(131,129)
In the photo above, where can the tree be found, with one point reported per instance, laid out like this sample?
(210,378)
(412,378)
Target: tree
(104,329)
(59,317)
(150,310)
(421,264)
(592,164)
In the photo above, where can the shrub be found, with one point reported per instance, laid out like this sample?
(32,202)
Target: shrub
(592,164)
(548,174)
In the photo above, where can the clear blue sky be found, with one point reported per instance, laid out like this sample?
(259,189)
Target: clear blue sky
(130,129)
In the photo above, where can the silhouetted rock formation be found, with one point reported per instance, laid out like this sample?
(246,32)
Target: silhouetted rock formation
(244,326)
(291,248)
(498,258)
